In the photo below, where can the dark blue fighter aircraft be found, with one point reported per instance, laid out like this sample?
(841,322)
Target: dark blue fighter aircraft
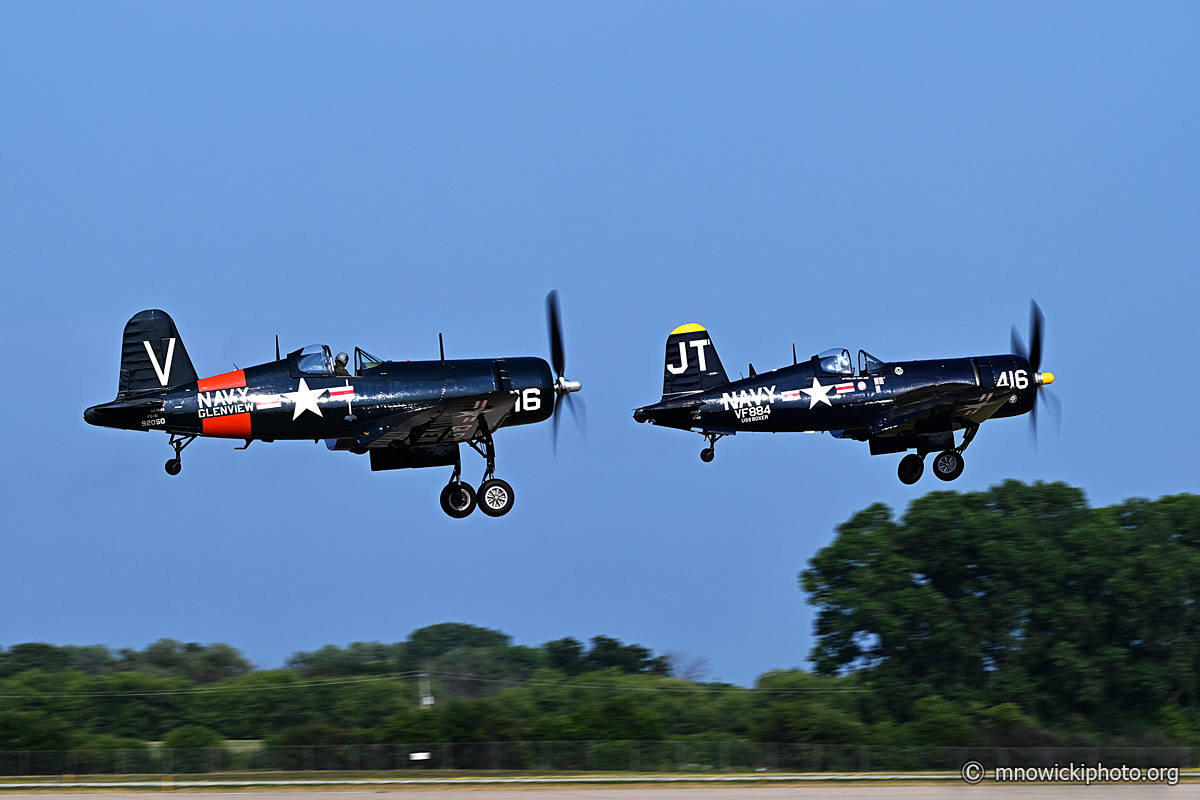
(893,406)
(402,413)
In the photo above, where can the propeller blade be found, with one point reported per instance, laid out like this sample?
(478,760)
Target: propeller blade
(1055,408)
(1033,426)
(562,387)
(1018,346)
(554,322)
(1036,321)
(580,415)
(556,415)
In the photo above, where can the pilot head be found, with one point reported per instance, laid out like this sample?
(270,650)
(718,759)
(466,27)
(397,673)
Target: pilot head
(341,359)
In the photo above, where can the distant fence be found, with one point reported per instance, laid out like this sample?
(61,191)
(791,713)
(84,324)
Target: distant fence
(574,757)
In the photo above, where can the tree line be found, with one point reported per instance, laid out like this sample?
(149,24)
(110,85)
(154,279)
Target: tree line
(89,697)
(1014,617)
(1086,618)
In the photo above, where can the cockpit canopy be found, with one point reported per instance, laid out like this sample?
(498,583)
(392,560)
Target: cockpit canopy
(868,364)
(836,362)
(315,359)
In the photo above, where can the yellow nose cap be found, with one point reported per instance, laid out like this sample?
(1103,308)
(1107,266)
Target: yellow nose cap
(1047,378)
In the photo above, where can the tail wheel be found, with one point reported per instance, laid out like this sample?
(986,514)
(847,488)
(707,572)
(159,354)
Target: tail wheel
(707,454)
(912,467)
(948,465)
(495,497)
(458,500)
(173,466)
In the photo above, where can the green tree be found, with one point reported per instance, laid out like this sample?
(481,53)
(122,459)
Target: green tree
(413,726)
(193,736)
(607,652)
(565,655)
(200,663)
(615,718)
(31,730)
(482,671)
(426,644)
(137,705)
(1019,594)
(360,658)
(34,655)
(192,748)
(799,721)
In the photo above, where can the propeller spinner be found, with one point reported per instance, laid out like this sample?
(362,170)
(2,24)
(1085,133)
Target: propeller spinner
(563,388)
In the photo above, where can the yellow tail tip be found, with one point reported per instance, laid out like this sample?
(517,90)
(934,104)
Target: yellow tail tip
(691,327)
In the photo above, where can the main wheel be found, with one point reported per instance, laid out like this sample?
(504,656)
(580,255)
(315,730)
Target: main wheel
(912,467)
(173,466)
(458,499)
(707,454)
(495,497)
(948,465)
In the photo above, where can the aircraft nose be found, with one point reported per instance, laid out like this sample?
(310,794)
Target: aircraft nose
(1045,378)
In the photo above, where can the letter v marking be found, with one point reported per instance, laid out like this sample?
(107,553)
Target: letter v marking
(162,373)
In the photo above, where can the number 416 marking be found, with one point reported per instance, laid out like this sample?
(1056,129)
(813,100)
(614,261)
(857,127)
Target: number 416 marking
(1016,380)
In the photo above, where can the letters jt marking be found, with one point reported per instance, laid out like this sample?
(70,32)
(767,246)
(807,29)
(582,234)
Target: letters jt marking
(699,345)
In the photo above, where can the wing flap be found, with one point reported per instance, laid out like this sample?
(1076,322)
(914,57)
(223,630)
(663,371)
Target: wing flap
(455,420)
(975,409)
(983,408)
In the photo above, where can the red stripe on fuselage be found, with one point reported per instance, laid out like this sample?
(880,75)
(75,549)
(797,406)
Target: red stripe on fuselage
(233,426)
(230,380)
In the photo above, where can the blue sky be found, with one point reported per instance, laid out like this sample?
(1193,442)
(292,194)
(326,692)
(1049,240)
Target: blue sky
(897,177)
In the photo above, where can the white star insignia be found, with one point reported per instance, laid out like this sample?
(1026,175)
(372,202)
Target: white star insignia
(818,394)
(305,399)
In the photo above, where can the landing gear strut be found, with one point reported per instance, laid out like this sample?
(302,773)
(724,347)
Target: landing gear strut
(178,441)
(947,466)
(949,463)
(494,497)
(710,452)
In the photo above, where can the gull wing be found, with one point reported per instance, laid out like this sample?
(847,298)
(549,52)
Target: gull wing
(962,403)
(454,420)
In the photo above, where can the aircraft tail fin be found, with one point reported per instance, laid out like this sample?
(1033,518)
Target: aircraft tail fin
(692,363)
(152,354)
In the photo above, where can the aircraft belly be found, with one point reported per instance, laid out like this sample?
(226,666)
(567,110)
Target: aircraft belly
(179,413)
